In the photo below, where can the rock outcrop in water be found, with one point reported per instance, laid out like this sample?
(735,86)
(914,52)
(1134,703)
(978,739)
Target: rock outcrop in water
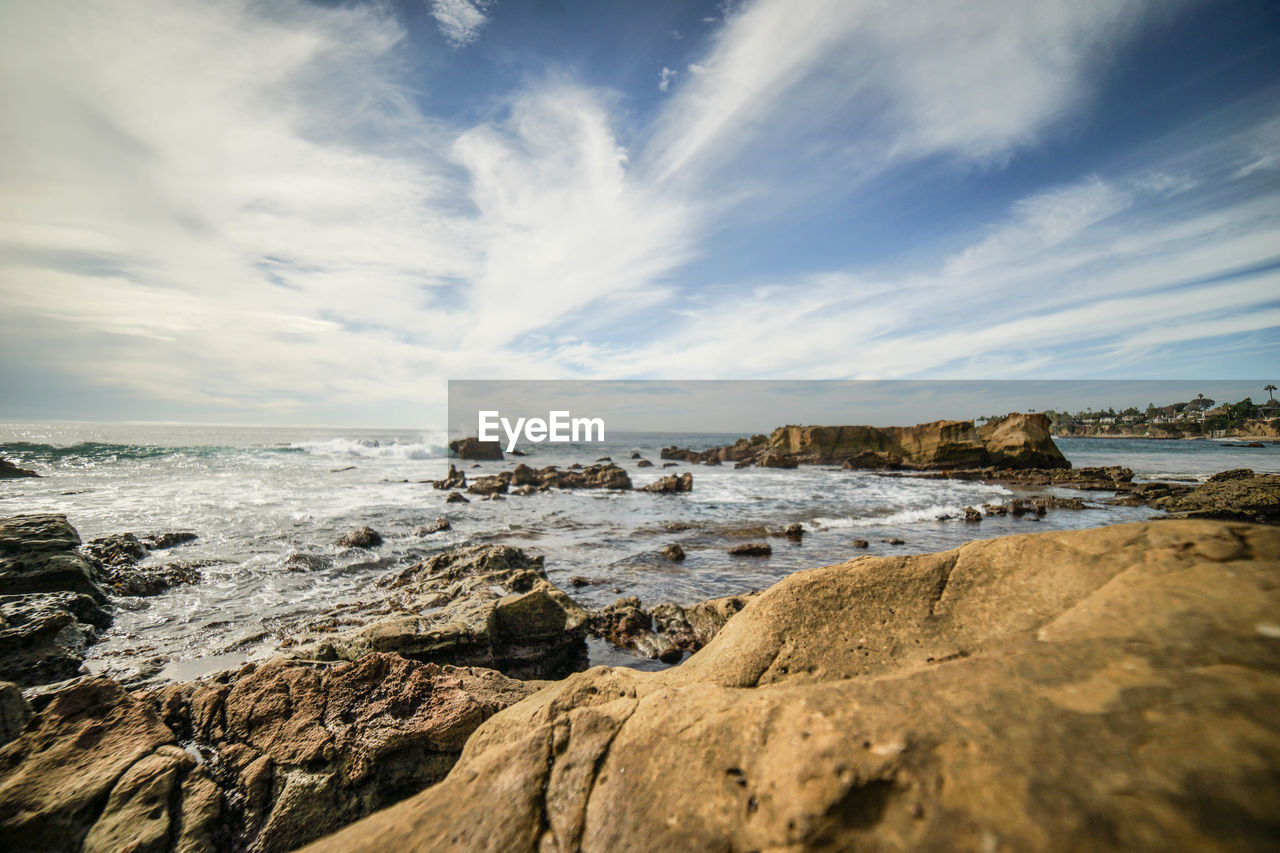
(474,448)
(51,606)
(666,631)
(1016,441)
(1116,688)
(9,471)
(485,605)
(116,559)
(1239,495)
(270,757)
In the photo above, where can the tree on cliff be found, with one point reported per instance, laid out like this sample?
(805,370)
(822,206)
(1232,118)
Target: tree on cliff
(1270,389)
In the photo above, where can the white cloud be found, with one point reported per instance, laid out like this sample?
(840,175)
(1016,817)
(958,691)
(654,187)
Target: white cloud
(665,78)
(460,20)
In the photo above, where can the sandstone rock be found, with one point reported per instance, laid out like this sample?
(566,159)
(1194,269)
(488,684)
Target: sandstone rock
(485,605)
(9,471)
(361,537)
(1235,497)
(1016,441)
(670,484)
(751,549)
(474,448)
(673,552)
(1108,689)
(286,751)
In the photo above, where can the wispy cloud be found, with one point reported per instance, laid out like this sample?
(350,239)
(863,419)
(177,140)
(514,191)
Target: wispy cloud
(460,21)
(232,207)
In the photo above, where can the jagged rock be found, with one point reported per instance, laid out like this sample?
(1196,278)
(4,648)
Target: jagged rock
(972,514)
(474,448)
(626,624)
(1236,496)
(37,554)
(457,498)
(1104,689)
(15,711)
(437,526)
(9,471)
(455,480)
(50,603)
(488,486)
(777,460)
(287,751)
(671,484)
(168,539)
(118,549)
(485,605)
(673,552)
(751,549)
(361,537)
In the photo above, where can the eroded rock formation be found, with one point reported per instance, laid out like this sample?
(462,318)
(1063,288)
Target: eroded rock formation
(1105,689)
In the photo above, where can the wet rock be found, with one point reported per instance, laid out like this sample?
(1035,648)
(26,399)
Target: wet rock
(485,605)
(474,448)
(671,484)
(751,549)
(792,531)
(457,498)
(9,471)
(455,480)
(437,526)
(168,539)
(118,549)
(636,456)
(673,552)
(488,486)
(1088,690)
(277,754)
(860,543)
(579,580)
(361,537)
(38,554)
(895,541)
(972,514)
(525,491)
(14,711)
(777,460)
(298,562)
(1236,496)
(627,625)
(644,463)
(605,459)
(670,464)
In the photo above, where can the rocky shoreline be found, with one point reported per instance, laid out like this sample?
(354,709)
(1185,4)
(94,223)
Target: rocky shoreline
(822,713)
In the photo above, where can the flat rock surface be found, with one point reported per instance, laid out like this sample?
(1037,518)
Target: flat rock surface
(1106,689)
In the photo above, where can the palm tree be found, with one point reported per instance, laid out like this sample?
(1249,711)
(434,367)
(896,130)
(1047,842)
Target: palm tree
(1270,389)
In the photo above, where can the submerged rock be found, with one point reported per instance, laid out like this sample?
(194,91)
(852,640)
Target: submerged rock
(437,526)
(275,755)
(673,552)
(1116,688)
(455,480)
(485,605)
(751,549)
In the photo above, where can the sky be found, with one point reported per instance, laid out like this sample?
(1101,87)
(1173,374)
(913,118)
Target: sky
(318,213)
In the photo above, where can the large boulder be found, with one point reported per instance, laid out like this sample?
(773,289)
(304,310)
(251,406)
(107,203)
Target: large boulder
(474,448)
(1021,441)
(485,605)
(38,554)
(261,760)
(1107,689)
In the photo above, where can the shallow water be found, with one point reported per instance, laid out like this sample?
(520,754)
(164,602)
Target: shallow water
(256,496)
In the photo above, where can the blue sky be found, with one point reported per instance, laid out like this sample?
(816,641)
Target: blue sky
(291,212)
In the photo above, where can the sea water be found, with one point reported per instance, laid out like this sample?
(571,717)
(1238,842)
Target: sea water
(257,496)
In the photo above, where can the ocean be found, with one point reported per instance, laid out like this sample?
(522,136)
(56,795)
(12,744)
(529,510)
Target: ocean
(256,496)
